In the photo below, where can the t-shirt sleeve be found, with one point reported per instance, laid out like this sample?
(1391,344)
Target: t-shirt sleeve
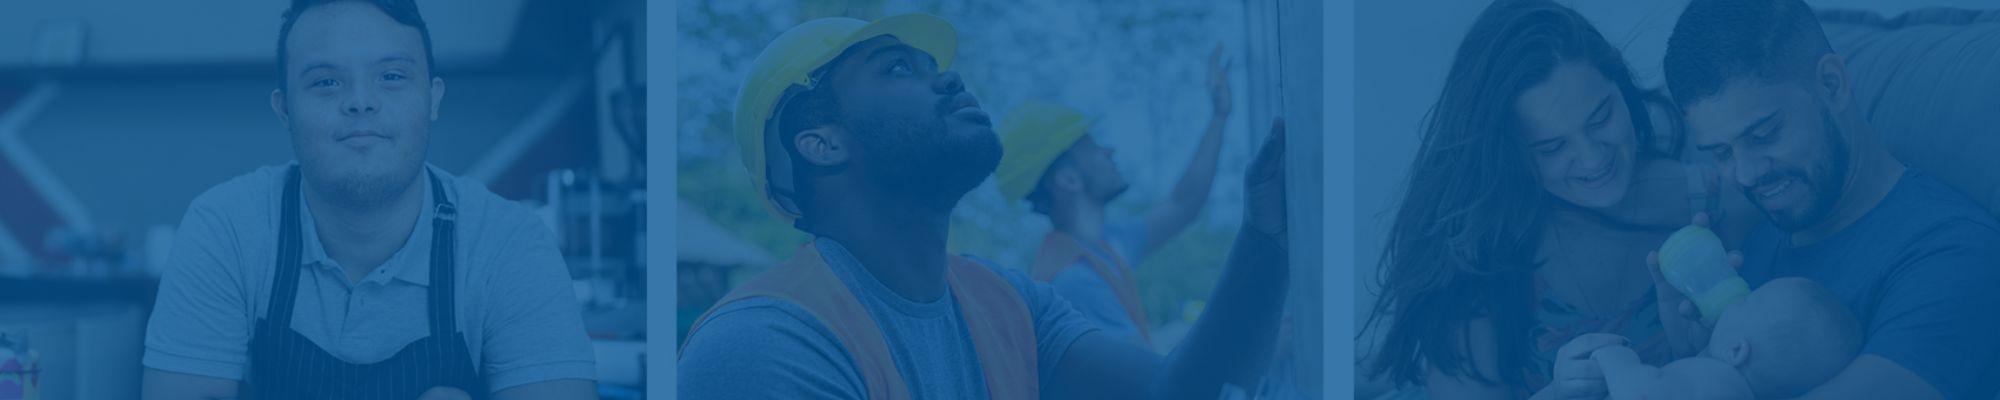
(763,348)
(533,328)
(201,321)
(1089,295)
(1937,316)
(1057,324)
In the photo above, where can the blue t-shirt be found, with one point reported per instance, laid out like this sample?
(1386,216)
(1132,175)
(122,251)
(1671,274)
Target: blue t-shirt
(1092,296)
(765,348)
(1921,273)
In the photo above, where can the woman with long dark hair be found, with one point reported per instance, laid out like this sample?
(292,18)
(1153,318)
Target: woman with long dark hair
(1544,177)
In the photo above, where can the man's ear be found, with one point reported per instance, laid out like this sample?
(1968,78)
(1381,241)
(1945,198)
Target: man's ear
(1066,179)
(823,146)
(1738,353)
(278,107)
(1831,83)
(437,96)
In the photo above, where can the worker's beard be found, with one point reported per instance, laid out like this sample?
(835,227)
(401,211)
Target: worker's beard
(925,160)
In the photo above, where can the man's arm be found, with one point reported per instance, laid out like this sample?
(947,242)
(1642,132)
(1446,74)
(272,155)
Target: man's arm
(556,389)
(534,340)
(163,385)
(1874,377)
(198,336)
(1233,340)
(1933,331)
(1190,194)
(764,348)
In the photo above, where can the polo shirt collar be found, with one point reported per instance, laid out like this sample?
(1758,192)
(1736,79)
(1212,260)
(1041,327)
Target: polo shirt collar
(411,263)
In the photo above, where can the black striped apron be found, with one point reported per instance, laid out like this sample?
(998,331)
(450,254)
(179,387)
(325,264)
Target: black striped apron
(285,365)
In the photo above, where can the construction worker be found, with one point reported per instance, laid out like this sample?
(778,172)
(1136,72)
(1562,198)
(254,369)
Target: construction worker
(860,134)
(1052,162)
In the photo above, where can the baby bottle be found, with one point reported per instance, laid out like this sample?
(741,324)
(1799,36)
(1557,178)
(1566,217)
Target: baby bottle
(1694,262)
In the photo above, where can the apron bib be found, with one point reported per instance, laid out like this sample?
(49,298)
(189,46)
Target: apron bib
(286,365)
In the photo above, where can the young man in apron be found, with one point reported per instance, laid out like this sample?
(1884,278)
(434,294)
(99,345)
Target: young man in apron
(1052,162)
(859,133)
(361,272)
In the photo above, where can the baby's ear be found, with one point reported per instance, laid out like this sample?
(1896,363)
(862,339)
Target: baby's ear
(1737,353)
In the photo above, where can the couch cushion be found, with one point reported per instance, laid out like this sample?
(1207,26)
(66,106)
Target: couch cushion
(1930,83)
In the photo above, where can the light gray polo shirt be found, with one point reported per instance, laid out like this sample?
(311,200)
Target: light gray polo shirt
(521,321)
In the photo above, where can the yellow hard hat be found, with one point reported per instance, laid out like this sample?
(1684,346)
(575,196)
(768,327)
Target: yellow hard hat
(1032,137)
(786,66)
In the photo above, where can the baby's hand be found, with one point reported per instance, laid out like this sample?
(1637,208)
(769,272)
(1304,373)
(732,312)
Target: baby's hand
(1614,355)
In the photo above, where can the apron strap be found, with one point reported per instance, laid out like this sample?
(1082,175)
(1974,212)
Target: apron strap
(286,282)
(444,318)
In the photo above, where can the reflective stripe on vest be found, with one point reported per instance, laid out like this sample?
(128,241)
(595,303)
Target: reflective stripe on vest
(1002,331)
(1060,250)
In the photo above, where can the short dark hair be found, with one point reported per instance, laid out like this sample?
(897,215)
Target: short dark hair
(403,11)
(1718,40)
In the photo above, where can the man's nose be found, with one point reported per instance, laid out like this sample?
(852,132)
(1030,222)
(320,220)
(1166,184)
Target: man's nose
(949,83)
(360,101)
(1749,169)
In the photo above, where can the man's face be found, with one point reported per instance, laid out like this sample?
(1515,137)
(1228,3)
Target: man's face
(1779,143)
(1099,173)
(358,101)
(920,133)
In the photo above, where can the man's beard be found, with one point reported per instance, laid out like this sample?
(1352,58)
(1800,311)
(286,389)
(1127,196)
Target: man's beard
(1827,176)
(923,160)
(365,187)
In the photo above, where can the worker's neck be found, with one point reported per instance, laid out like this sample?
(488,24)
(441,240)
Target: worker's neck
(1079,218)
(899,241)
(362,236)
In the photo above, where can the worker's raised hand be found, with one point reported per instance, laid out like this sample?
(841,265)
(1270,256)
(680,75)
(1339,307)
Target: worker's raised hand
(1264,186)
(1218,82)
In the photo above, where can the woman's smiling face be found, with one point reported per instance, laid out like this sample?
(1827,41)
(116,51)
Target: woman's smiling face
(1579,134)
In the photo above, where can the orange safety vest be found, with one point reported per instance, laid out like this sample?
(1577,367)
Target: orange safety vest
(1002,331)
(1060,250)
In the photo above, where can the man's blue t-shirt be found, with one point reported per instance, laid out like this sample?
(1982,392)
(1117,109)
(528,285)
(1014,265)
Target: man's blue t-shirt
(764,348)
(1921,272)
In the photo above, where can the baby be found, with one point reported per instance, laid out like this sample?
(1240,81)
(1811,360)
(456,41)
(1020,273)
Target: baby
(1780,341)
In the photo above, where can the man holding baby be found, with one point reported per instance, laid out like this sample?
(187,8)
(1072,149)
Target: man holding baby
(1912,260)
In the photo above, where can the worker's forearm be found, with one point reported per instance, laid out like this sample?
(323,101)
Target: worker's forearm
(1233,340)
(1192,189)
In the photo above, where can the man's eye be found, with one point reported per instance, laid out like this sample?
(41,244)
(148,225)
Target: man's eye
(1766,137)
(324,82)
(900,67)
(393,76)
(1722,154)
